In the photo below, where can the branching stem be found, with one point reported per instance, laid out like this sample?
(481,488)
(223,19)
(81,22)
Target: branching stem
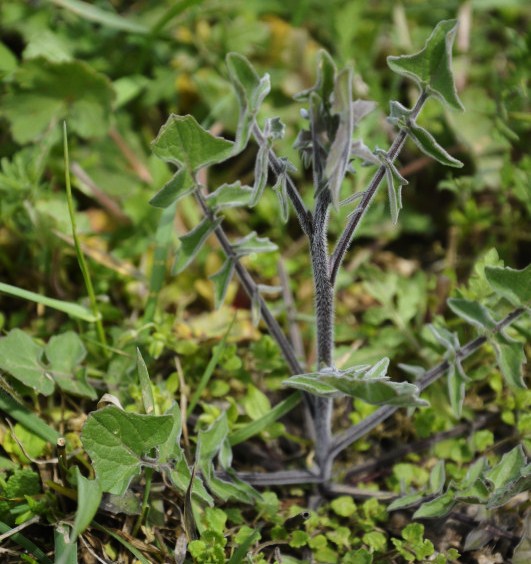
(346,237)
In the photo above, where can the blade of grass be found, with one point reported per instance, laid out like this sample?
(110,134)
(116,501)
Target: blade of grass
(25,543)
(27,418)
(79,253)
(103,17)
(163,240)
(173,11)
(210,368)
(134,551)
(255,427)
(72,309)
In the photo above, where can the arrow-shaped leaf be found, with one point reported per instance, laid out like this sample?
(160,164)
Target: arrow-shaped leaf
(183,142)
(431,67)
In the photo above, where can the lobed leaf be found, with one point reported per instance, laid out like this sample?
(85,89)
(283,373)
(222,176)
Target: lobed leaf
(230,196)
(192,242)
(117,443)
(183,142)
(251,243)
(431,67)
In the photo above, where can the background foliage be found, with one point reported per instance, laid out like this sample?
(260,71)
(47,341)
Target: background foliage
(114,71)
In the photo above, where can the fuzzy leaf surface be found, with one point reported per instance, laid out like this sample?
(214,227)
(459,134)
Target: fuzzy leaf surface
(117,441)
(180,185)
(183,142)
(221,280)
(192,242)
(472,312)
(431,67)
(429,146)
(230,196)
(512,284)
(511,358)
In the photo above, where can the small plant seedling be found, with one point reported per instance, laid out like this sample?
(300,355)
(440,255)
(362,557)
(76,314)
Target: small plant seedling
(331,148)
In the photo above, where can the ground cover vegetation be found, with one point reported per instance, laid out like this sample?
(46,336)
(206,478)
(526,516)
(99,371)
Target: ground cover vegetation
(310,345)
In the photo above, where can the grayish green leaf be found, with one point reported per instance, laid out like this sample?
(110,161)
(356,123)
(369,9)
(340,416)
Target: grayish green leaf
(437,477)
(395,181)
(438,507)
(513,285)
(192,242)
(427,144)
(339,154)
(230,196)
(260,173)
(221,280)
(508,468)
(431,67)
(472,312)
(88,500)
(180,185)
(407,501)
(183,142)
(251,243)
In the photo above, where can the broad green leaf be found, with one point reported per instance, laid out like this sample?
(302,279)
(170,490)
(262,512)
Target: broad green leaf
(192,242)
(511,358)
(251,243)
(65,551)
(514,285)
(508,468)
(65,353)
(427,144)
(431,67)
(339,155)
(472,312)
(21,357)
(230,196)
(183,142)
(179,186)
(474,472)
(89,495)
(221,280)
(8,61)
(45,91)
(71,309)
(145,385)
(171,447)
(117,443)
(438,507)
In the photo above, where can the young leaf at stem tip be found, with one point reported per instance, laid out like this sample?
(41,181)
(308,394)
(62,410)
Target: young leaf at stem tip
(431,68)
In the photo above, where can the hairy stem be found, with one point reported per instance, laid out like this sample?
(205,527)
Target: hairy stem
(346,237)
(276,166)
(251,290)
(346,438)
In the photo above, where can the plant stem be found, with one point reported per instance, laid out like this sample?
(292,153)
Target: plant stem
(79,253)
(345,439)
(355,219)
